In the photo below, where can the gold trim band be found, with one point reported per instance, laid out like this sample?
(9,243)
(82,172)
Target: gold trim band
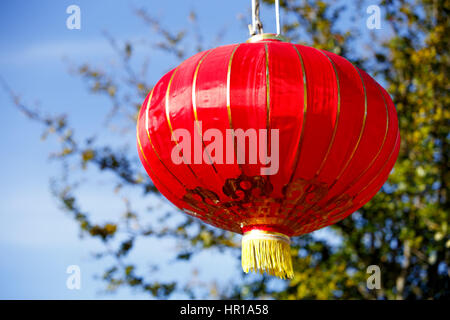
(264,234)
(267,36)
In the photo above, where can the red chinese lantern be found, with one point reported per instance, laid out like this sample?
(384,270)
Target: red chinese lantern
(334,126)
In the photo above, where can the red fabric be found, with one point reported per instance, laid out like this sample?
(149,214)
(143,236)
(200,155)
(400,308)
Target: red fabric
(338,132)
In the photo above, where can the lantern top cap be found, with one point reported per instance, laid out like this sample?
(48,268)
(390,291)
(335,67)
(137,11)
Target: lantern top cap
(267,36)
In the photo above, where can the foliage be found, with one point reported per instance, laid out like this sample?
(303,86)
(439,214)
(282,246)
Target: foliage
(404,229)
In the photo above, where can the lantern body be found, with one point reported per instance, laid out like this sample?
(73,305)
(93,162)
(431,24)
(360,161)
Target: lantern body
(338,136)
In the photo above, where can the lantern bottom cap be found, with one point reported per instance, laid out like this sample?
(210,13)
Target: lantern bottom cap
(267,251)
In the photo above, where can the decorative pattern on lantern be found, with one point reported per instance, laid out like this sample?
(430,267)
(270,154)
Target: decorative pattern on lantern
(270,140)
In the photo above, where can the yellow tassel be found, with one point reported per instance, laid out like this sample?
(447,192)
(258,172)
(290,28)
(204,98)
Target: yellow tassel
(266,251)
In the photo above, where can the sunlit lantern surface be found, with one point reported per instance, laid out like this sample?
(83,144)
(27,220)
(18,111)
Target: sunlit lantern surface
(268,139)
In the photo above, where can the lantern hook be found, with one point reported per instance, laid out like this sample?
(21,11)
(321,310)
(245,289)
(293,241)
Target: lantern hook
(257,27)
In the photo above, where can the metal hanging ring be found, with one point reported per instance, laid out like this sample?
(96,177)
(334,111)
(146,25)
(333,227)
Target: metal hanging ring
(257,27)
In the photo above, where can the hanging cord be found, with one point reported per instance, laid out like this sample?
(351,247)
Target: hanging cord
(277,16)
(257,27)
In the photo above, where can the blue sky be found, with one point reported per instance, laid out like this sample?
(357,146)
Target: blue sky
(37,240)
